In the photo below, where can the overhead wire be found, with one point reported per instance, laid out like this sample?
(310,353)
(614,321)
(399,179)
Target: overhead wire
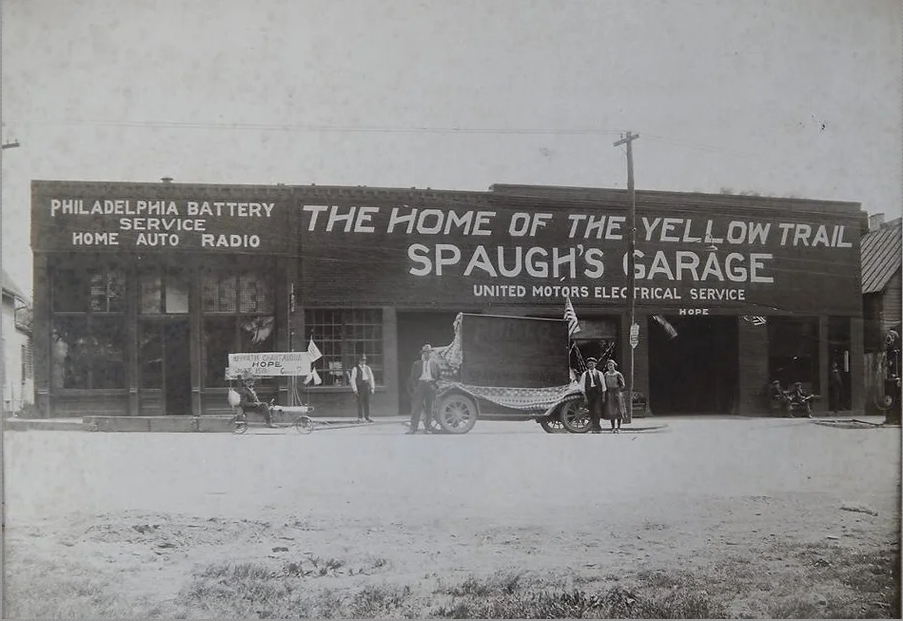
(326,128)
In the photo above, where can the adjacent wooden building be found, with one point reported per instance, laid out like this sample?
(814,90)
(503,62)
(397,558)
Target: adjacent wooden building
(142,290)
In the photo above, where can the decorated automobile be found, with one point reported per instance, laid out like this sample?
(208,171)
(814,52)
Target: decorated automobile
(507,368)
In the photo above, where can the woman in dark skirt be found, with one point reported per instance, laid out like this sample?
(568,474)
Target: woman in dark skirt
(614,395)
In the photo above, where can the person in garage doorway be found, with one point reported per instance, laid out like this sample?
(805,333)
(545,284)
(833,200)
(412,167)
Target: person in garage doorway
(363,385)
(424,376)
(592,385)
(835,383)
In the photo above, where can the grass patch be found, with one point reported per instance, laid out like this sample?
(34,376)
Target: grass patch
(56,592)
(821,580)
(615,603)
(504,582)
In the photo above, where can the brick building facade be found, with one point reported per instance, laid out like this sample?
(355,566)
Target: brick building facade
(142,290)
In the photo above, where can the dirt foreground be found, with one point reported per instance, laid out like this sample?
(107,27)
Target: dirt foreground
(707,517)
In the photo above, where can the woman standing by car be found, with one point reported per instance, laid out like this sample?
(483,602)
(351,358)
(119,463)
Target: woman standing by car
(614,395)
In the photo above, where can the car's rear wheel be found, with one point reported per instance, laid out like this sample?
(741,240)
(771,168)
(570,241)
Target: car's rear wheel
(552,423)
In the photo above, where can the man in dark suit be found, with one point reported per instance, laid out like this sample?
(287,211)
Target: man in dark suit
(424,376)
(592,385)
(250,402)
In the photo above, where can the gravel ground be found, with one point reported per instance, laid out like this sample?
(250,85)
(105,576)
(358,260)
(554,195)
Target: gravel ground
(147,511)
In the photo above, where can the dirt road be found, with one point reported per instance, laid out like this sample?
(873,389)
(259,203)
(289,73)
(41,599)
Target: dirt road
(146,514)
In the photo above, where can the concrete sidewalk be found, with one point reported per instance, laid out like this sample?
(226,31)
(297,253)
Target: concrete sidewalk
(221,423)
(13,423)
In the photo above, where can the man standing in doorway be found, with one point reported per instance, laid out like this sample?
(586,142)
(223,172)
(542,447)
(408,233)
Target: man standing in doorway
(835,383)
(424,376)
(592,385)
(363,385)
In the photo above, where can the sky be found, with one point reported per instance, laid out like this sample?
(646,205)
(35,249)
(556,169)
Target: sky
(780,97)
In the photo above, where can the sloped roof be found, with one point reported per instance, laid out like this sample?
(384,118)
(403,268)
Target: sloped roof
(10,287)
(881,256)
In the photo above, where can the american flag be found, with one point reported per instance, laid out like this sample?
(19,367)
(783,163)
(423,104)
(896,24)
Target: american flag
(571,317)
(755,320)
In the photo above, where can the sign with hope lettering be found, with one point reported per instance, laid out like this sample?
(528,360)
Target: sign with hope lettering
(273,364)
(147,219)
(773,262)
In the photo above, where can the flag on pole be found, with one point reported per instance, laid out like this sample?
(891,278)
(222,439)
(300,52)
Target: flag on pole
(313,377)
(571,317)
(672,332)
(313,351)
(755,320)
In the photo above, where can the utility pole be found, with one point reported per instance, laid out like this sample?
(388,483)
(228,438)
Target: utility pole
(631,269)
(4,146)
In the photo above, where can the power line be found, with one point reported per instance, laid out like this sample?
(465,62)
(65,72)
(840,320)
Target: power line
(324,127)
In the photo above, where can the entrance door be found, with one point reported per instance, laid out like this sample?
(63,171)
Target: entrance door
(414,330)
(177,368)
(696,372)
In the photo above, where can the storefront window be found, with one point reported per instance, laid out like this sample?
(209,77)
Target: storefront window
(163,292)
(239,318)
(88,340)
(150,354)
(793,351)
(342,336)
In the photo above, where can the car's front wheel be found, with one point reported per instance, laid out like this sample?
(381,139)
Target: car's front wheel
(574,415)
(456,413)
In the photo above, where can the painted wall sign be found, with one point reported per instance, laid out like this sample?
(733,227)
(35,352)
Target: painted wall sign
(93,219)
(773,262)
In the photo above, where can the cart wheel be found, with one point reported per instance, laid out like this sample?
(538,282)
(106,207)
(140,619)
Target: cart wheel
(575,415)
(552,423)
(239,424)
(304,425)
(456,413)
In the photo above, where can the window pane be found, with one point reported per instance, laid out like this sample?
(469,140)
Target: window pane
(176,292)
(98,289)
(342,336)
(150,293)
(116,291)
(108,365)
(70,352)
(70,291)
(254,294)
(219,342)
(150,353)
(226,295)
(107,290)
(247,294)
(209,293)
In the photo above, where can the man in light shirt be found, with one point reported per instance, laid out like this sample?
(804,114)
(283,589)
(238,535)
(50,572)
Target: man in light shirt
(592,385)
(424,375)
(363,385)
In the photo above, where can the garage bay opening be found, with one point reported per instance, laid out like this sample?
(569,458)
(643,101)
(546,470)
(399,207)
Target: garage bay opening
(697,370)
